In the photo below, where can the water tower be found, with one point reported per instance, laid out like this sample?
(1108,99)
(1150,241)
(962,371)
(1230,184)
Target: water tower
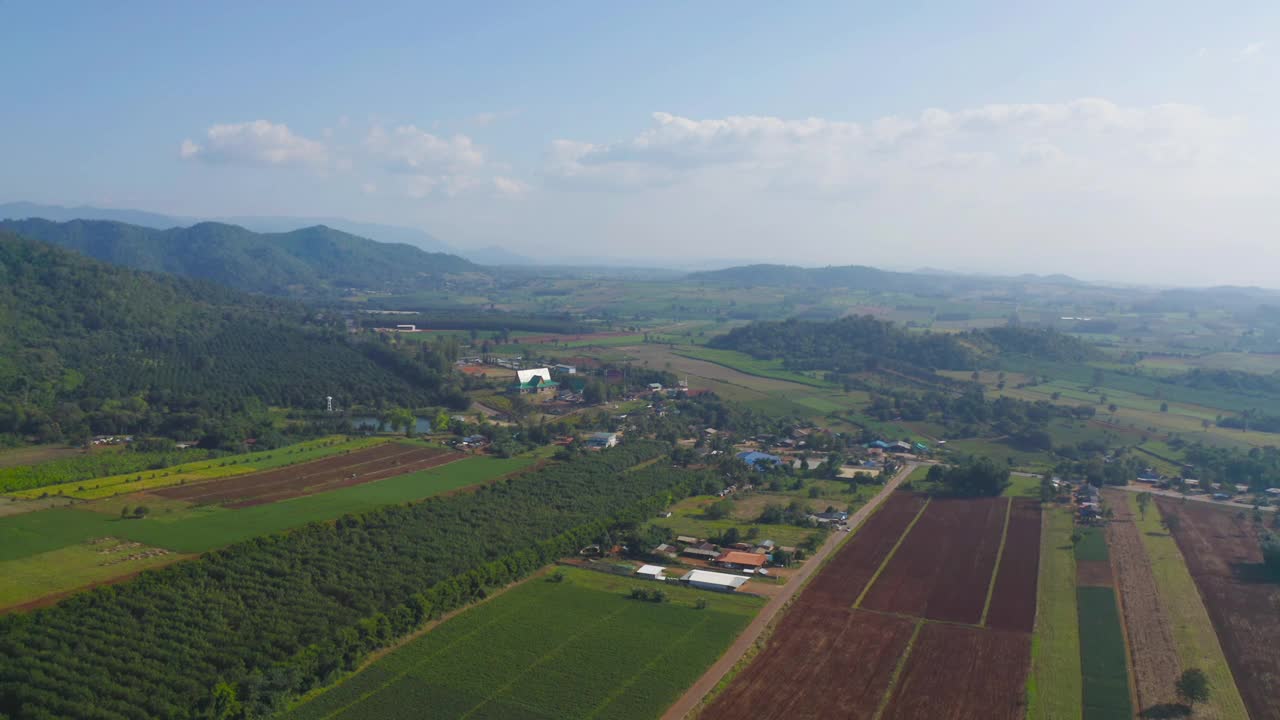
(328,403)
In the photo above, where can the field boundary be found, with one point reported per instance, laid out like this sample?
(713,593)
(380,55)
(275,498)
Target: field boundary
(901,538)
(995,572)
(817,384)
(901,667)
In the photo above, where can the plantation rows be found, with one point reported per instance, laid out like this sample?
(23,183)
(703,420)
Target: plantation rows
(89,466)
(250,626)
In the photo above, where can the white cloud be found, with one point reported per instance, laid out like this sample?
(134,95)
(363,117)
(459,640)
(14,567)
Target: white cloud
(256,143)
(1251,50)
(408,149)
(509,186)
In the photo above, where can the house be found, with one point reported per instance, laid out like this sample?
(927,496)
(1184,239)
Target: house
(921,447)
(830,516)
(565,369)
(759,460)
(474,441)
(878,445)
(738,560)
(707,580)
(655,387)
(665,550)
(686,540)
(651,572)
(700,554)
(899,447)
(535,380)
(1242,489)
(602,440)
(1273,492)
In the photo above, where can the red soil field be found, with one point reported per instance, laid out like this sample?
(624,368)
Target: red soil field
(1225,559)
(943,569)
(368,465)
(963,673)
(820,662)
(842,580)
(1013,601)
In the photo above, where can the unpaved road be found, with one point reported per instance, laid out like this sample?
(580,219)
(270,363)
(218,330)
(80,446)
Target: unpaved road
(705,684)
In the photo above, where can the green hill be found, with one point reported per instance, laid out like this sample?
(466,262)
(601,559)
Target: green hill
(309,261)
(87,347)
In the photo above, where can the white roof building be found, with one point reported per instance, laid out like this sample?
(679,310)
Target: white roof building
(651,572)
(708,580)
(525,376)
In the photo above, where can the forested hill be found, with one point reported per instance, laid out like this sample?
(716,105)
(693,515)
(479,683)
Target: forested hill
(86,347)
(852,344)
(308,261)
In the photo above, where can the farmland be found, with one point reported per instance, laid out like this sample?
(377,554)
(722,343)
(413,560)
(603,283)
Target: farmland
(1104,659)
(1223,556)
(202,470)
(572,649)
(1156,663)
(54,544)
(1197,643)
(1054,687)
(869,636)
(345,470)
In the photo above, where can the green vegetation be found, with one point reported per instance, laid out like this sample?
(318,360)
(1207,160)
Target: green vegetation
(751,366)
(1054,686)
(1092,546)
(306,261)
(91,464)
(1103,659)
(570,649)
(978,477)
(1193,632)
(90,349)
(224,466)
(322,597)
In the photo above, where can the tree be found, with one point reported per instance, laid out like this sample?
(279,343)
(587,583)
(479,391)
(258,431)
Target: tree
(401,418)
(1193,686)
(124,512)
(1271,553)
(141,511)
(1170,523)
(719,510)
(1164,407)
(441,423)
(1144,500)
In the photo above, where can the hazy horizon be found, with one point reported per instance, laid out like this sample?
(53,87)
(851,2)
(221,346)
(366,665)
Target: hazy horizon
(1110,144)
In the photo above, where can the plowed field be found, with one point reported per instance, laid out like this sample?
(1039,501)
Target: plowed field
(943,569)
(334,472)
(1225,559)
(827,659)
(963,673)
(820,662)
(1013,602)
(1151,647)
(844,578)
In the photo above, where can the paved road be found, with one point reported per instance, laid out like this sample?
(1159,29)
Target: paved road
(1194,498)
(716,672)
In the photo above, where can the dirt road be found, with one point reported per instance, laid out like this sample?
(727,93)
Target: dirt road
(1195,498)
(705,684)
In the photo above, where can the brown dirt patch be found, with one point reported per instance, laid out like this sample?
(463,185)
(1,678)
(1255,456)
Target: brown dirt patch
(963,673)
(1152,650)
(843,579)
(1093,573)
(1225,560)
(1013,600)
(344,470)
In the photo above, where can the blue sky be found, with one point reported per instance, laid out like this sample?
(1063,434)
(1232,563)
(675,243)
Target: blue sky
(1130,142)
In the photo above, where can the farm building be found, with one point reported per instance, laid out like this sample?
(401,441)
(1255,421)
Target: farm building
(565,369)
(651,572)
(655,387)
(696,552)
(878,445)
(759,460)
(899,447)
(707,580)
(1274,492)
(534,381)
(602,440)
(739,560)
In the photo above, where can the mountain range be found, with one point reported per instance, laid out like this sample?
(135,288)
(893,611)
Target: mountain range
(309,261)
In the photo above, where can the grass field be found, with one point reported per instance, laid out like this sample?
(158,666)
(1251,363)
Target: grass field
(1022,486)
(1054,686)
(574,649)
(1103,659)
(34,455)
(70,567)
(1092,545)
(202,470)
(1193,631)
(751,366)
(1001,453)
(50,537)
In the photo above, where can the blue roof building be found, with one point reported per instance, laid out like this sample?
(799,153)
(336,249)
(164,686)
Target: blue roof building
(759,460)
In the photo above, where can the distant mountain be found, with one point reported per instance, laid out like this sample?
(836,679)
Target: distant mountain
(309,261)
(256,223)
(88,347)
(924,281)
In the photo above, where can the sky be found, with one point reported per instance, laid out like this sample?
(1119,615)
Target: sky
(1128,141)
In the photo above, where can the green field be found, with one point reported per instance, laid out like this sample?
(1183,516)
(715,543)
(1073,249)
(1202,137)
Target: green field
(1054,686)
(1092,545)
(202,469)
(1022,486)
(1103,659)
(574,649)
(1193,631)
(49,537)
(751,366)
